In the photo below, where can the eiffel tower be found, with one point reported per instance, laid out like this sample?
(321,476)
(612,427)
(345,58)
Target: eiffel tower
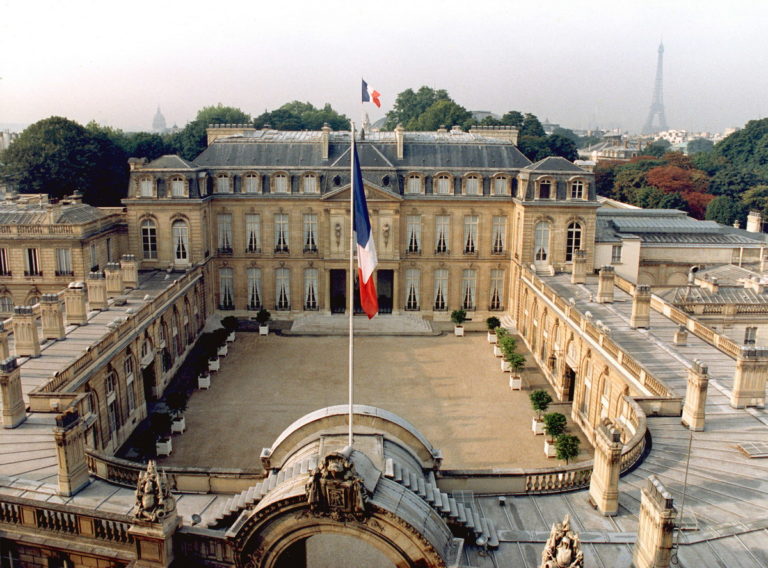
(657,106)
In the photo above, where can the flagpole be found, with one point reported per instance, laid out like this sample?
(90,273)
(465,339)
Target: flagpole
(351,277)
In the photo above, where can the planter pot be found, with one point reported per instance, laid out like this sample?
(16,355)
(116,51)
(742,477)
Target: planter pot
(505,366)
(496,351)
(178,425)
(204,381)
(458,331)
(263,330)
(550,450)
(231,337)
(164,447)
(491,337)
(222,351)
(537,426)
(516,382)
(213,365)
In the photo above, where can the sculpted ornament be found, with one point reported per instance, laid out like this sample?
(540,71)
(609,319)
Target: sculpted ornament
(154,501)
(563,549)
(335,490)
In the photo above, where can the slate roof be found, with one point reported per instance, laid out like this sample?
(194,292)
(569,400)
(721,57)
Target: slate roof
(11,214)
(555,164)
(271,148)
(170,162)
(724,295)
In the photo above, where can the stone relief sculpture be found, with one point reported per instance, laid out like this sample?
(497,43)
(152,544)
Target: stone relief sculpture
(154,501)
(335,490)
(563,548)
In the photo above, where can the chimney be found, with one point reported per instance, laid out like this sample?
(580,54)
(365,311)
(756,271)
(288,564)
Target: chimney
(400,139)
(755,222)
(325,140)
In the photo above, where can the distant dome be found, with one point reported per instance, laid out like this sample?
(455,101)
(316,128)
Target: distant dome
(158,123)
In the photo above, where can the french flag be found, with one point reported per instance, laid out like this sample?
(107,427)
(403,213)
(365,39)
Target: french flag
(371,94)
(366,249)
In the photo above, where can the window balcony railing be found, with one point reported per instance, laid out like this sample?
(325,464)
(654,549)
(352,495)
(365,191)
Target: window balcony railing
(33,273)
(226,306)
(281,250)
(224,250)
(253,250)
(6,273)
(310,249)
(65,273)
(413,251)
(443,251)
(470,251)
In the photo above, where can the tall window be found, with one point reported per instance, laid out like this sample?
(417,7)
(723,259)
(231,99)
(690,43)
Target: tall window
(444,184)
(254,289)
(577,189)
(180,241)
(468,289)
(280,183)
(498,234)
(149,239)
(545,189)
(541,242)
(310,288)
(226,289)
(223,184)
(616,254)
(572,241)
(413,227)
(128,371)
(472,185)
(281,232)
(413,184)
(6,304)
(251,183)
(470,234)
(441,289)
(5,267)
(112,410)
(442,233)
(282,289)
(412,289)
(31,262)
(587,388)
(64,262)
(500,185)
(253,233)
(94,258)
(146,187)
(497,289)
(224,222)
(310,184)
(109,249)
(177,186)
(310,232)
(750,335)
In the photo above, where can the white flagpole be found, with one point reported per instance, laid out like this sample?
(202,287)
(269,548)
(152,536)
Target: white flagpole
(351,277)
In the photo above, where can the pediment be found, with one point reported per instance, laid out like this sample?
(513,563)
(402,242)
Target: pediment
(373,193)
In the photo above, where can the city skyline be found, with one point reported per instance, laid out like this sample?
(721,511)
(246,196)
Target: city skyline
(578,67)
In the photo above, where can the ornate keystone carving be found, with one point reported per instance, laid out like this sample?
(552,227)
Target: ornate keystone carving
(154,501)
(563,548)
(336,491)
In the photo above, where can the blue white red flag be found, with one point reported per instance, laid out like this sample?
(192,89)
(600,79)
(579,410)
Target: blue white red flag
(366,249)
(370,94)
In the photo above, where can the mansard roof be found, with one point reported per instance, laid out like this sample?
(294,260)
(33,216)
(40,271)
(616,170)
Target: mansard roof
(555,164)
(12,214)
(278,149)
(170,162)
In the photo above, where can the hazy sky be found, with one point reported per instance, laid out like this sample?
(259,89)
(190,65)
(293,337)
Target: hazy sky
(578,63)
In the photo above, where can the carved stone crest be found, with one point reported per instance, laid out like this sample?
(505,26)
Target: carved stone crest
(563,548)
(154,501)
(335,490)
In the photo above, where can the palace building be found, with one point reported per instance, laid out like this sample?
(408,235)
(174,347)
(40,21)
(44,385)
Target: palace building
(103,308)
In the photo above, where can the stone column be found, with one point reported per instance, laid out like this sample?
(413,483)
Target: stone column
(681,336)
(4,350)
(25,339)
(51,317)
(75,301)
(657,523)
(579,271)
(114,277)
(641,307)
(695,397)
(97,291)
(751,375)
(605,285)
(69,434)
(14,409)
(130,269)
(604,483)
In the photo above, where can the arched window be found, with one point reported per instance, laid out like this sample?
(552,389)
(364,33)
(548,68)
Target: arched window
(576,189)
(146,187)
(500,185)
(443,183)
(178,187)
(572,241)
(541,242)
(149,239)
(545,189)
(280,183)
(309,183)
(223,184)
(473,185)
(413,184)
(180,242)
(6,304)
(251,183)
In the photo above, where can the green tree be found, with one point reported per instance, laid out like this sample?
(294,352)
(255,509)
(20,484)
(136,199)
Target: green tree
(410,105)
(724,209)
(756,199)
(534,148)
(747,147)
(192,139)
(442,113)
(512,118)
(297,115)
(733,181)
(698,145)
(147,145)
(531,126)
(567,447)
(563,147)
(657,148)
(566,133)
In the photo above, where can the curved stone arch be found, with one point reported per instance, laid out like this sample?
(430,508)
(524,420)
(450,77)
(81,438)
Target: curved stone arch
(677,278)
(645,278)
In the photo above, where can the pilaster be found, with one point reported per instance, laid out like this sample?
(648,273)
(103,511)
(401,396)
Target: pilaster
(604,483)
(751,375)
(13,407)
(695,397)
(641,307)
(97,291)
(5,352)
(605,285)
(69,434)
(52,317)
(653,548)
(26,342)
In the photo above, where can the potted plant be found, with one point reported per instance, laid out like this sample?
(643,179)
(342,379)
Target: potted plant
(220,340)
(501,333)
(507,344)
(161,426)
(492,322)
(177,404)
(516,365)
(230,323)
(540,401)
(263,316)
(554,426)
(567,446)
(458,317)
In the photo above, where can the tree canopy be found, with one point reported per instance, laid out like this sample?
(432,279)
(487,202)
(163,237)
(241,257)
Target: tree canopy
(410,105)
(297,115)
(192,140)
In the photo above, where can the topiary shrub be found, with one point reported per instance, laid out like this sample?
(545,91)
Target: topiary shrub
(493,322)
(458,317)
(567,447)
(263,316)
(516,362)
(230,323)
(540,401)
(554,425)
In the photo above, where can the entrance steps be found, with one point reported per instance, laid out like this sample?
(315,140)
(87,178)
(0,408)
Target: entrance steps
(338,324)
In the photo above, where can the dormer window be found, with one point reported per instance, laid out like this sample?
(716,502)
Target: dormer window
(280,183)
(576,189)
(472,185)
(413,184)
(309,183)
(443,183)
(251,183)
(500,185)
(146,187)
(178,187)
(545,189)
(223,184)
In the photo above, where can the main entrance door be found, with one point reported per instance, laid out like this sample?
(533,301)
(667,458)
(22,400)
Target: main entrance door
(384,285)
(338,291)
